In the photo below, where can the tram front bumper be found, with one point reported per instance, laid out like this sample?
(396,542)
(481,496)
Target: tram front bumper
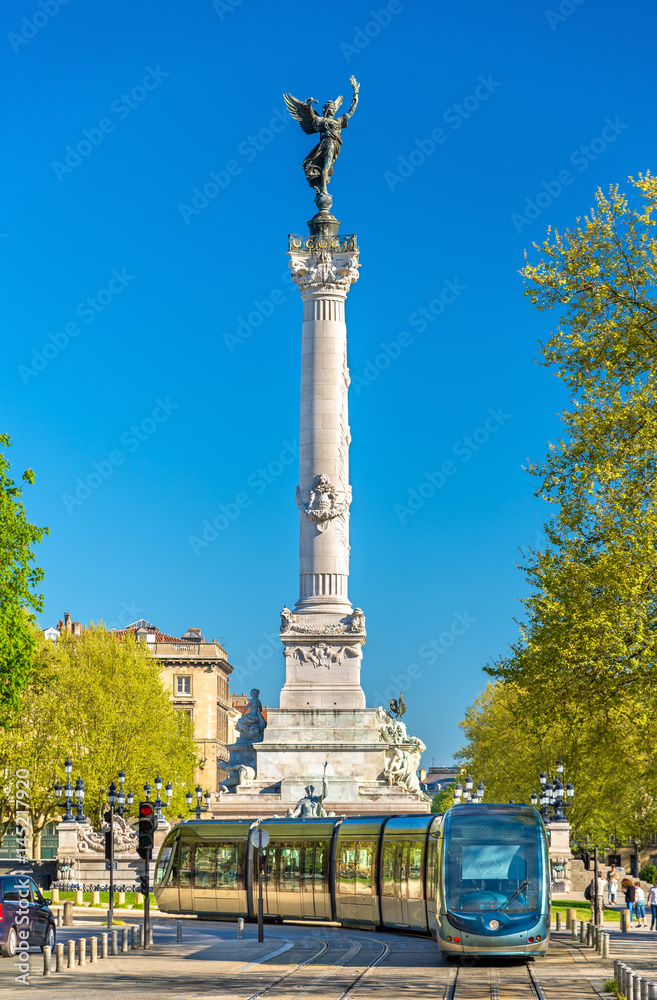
(455,942)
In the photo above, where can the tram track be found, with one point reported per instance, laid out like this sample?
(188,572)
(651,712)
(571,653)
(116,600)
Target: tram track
(478,982)
(285,986)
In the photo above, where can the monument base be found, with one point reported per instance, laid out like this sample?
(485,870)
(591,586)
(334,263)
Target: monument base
(298,742)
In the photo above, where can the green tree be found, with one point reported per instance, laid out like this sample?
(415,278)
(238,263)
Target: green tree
(106,708)
(19,576)
(443,800)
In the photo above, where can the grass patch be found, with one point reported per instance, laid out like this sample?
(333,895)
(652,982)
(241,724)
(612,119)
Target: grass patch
(611,986)
(583,910)
(130,900)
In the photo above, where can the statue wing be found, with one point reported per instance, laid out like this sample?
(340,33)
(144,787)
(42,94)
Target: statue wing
(392,705)
(338,101)
(302,112)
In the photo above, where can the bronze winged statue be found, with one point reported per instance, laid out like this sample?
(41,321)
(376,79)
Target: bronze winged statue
(397,708)
(318,165)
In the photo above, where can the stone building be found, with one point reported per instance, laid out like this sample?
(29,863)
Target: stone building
(196,673)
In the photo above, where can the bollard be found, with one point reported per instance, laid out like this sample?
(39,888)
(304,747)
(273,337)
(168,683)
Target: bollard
(589,934)
(623,979)
(571,917)
(635,978)
(95,898)
(47,959)
(54,895)
(582,932)
(124,939)
(139,898)
(558,921)
(150,935)
(617,965)
(652,991)
(644,988)
(120,898)
(68,913)
(138,935)
(624,921)
(240,927)
(573,931)
(103,945)
(178,930)
(82,951)
(93,949)
(59,958)
(71,954)
(79,898)
(606,938)
(115,943)
(133,937)
(629,986)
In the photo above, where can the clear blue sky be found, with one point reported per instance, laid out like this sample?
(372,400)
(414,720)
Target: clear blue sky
(169,93)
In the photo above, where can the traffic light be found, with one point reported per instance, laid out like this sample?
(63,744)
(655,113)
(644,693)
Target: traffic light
(144,887)
(147,828)
(109,846)
(586,858)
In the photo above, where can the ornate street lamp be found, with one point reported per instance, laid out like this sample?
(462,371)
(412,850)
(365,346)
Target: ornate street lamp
(555,798)
(198,809)
(79,794)
(68,792)
(458,792)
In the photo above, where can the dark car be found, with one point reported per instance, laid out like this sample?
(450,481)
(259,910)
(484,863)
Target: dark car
(25,917)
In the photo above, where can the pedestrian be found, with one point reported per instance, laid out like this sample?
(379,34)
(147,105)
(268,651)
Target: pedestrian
(612,885)
(597,916)
(640,905)
(627,885)
(652,903)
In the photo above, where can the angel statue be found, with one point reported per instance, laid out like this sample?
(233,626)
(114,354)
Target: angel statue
(318,165)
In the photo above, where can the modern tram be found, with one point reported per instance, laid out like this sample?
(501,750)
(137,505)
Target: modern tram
(476,878)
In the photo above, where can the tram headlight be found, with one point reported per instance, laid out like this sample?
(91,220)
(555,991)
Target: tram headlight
(494,924)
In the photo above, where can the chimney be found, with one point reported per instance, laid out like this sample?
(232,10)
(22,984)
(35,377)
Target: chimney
(67,619)
(77,628)
(60,625)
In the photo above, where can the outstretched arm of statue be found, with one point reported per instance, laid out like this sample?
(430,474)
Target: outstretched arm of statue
(324,785)
(354,100)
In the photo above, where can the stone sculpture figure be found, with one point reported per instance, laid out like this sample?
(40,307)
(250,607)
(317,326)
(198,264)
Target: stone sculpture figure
(311,805)
(240,774)
(318,165)
(252,725)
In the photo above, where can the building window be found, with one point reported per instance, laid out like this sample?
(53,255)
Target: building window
(183,685)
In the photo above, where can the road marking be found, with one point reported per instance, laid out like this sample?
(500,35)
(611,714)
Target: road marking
(265,958)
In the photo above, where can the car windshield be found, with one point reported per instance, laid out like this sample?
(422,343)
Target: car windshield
(491,862)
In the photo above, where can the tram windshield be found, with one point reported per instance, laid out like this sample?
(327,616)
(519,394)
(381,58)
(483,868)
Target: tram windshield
(492,861)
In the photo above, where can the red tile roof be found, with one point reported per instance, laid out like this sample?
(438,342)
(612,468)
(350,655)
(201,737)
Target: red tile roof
(159,636)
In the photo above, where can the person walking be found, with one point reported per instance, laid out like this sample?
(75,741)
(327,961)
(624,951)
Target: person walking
(652,903)
(597,917)
(640,905)
(612,885)
(627,885)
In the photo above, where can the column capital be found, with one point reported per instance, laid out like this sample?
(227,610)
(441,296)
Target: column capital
(322,272)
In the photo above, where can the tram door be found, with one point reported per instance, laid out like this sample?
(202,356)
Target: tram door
(289,879)
(315,894)
(401,884)
(355,881)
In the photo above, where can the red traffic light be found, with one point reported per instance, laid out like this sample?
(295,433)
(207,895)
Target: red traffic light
(146,809)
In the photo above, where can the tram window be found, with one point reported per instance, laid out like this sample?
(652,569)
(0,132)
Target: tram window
(321,856)
(227,866)
(347,866)
(364,858)
(415,870)
(388,883)
(290,866)
(205,866)
(432,861)
(185,865)
(308,864)
(162,862)
(270,864)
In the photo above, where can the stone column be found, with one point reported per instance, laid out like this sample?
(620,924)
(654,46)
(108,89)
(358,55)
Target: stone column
(323,638)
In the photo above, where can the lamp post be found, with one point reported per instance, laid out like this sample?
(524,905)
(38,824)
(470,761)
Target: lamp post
(68,792)
(467,794)
(198,808)
(79,794)
(158,801)
(555,797)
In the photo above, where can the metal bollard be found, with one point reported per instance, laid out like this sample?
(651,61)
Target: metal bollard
(558,921)
(240,927)
(635,980)
(179,930)
(133,937)
(68,913)
(150,935)
(589,934)
(624,921)
(115,943)
(103,945)
(644,988)
(82,951)
(47,960)
(652,991)
(573,931)
(582,932)
(71,954)
(138,935)
(606,938)
(629,987)
(57,910)
(124,939)
(617,965)
(93,949)
(624,972)
(59,957)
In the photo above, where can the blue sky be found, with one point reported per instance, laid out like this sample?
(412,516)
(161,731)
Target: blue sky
(152,342)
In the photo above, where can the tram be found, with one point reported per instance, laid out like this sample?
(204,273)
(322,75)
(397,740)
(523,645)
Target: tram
(475,878)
